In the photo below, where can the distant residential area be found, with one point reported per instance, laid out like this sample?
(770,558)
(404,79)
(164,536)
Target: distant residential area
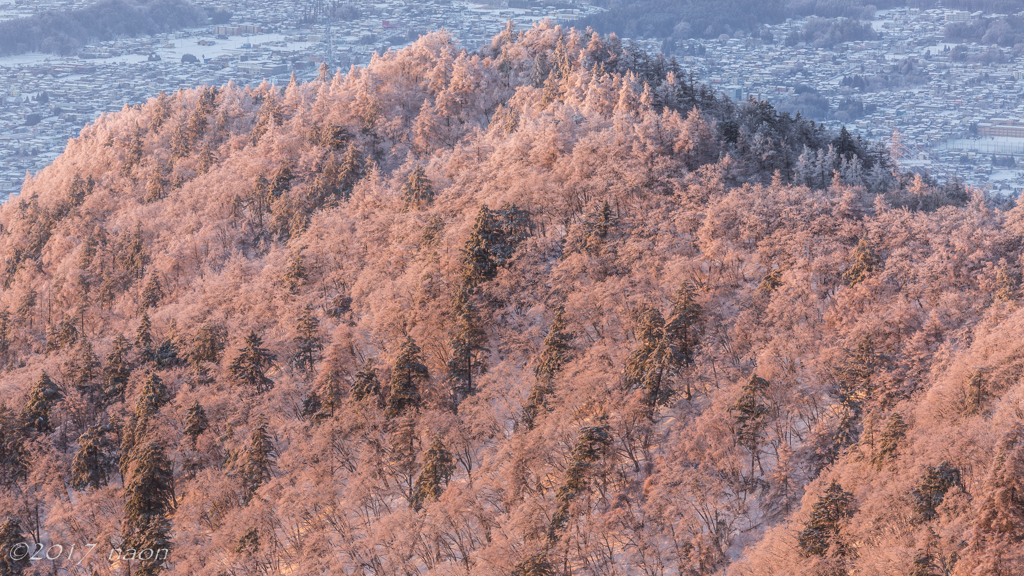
(952,103)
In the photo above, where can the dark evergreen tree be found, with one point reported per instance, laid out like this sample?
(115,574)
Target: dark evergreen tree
(924,565)
(557,348)
(195,422)
(5,331)
(154,396)
(1000,517)
(821,535)
(153,293)
(149,499)
(257,467)
(83,370)
(647,366)
(132,432)
(249,543)
(295,276)
(492,242)
(116,371)
(311,408)
(350,171)
(250,366)
(12,448)
(281,181)
(593,231)
(771,281)
(94,461)
(853,387)
(935,483)
(155,185)
(258,202)
(367,386)
(80,188)
(26,304)
(418,190)
(536,565)
(332,136)
(604,221)
(865,263)
(438,467)
(332,393)
(467,343)
(166,354)
(751,414)
(196,124)
(132,154)
(62,335)
(682,327)
(181,144)
(844,144)
(590,446)
(205,159)
(144,340)
(41,400)
(407,374)
(556,354)
(89,246)
(976,394)
(207,346)
(12,562)
(889,443)
(308,341)
(132,256)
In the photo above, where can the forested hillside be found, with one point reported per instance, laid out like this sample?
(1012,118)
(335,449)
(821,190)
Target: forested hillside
(546,309)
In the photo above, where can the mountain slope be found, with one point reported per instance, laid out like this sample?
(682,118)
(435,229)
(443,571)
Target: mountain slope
(545,309)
